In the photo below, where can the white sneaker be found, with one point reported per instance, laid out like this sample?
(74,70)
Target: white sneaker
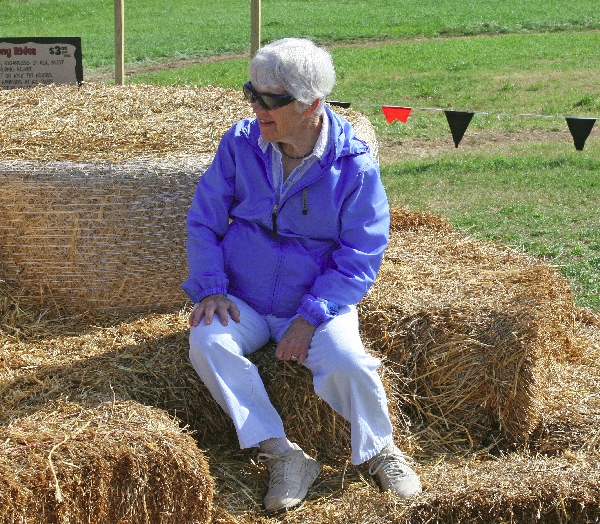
(394,474)
(291,474)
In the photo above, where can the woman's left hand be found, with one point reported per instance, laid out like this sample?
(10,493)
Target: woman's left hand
(295,341)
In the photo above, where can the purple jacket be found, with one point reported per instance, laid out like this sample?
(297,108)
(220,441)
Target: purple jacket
(317,249)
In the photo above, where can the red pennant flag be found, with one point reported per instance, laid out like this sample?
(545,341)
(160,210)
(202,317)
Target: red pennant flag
(396,113)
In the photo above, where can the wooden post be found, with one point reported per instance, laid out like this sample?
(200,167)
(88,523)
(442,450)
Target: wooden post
(254,27)
(119,43)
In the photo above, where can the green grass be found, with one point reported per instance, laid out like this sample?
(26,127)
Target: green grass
(157,29)
(542,203)
(504,58)
(554,74)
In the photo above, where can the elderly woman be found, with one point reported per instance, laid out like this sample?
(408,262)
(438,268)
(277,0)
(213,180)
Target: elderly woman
(286,233)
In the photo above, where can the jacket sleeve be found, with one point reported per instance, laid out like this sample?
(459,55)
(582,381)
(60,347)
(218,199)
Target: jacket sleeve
(207,223)
(364,233)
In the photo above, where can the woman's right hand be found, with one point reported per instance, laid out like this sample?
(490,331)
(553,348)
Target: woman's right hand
(208,306)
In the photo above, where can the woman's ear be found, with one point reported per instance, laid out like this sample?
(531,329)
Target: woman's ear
(312,108)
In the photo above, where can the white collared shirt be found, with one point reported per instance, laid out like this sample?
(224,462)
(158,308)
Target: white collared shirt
(281,187)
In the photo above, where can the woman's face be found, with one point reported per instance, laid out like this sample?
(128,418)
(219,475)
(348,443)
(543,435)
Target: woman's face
(279,125)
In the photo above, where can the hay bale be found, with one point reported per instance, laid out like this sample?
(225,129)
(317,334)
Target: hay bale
(93,360)
(108,237)
(308,419)
(469,326)
(97,122)
(516,488)
(570,405)
(100,123)
(97,182)
(146,360)
(118,462)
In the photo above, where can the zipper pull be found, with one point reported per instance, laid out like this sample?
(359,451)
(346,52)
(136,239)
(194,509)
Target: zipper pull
(274,219)
(305,201)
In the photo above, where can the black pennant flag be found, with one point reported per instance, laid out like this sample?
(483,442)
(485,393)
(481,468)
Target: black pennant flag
(338,103)
(458,122)
(580,129)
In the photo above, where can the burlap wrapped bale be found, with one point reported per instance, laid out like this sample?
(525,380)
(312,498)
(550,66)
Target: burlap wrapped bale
(118,462)
(470,326)
(96,184)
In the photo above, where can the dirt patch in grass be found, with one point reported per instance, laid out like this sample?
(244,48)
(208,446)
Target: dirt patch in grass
(414,149)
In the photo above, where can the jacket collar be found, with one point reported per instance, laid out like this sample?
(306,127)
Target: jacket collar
(342,139)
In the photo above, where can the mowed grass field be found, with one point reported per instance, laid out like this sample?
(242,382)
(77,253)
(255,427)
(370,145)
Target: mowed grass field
(516,177)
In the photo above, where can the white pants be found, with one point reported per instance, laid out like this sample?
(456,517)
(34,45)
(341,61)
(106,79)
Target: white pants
(344,375)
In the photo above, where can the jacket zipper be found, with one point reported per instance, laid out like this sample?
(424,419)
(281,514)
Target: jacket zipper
(275,210)
(274,219)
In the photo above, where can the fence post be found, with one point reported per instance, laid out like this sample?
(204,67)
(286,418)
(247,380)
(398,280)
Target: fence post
(254,27)
(119,42)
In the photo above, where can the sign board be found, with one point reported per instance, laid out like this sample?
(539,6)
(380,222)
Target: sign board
(26,62)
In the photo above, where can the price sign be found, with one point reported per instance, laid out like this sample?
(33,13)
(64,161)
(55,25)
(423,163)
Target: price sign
(26,62)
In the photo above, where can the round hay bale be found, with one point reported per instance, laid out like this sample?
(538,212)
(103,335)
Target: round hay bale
(117,462)
(96,184)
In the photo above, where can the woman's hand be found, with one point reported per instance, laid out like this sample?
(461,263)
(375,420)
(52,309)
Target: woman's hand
(295,341)
(214,304)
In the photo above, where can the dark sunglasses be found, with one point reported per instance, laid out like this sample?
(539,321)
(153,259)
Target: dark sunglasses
(266,100)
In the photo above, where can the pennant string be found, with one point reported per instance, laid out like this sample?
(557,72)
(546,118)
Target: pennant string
(580,127)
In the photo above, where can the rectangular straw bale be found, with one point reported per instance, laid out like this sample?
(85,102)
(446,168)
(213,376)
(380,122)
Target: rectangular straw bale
(518,487)
(97,236)
(307,419)
(116,462)
(145,360)
(570,406)
(97,122)
(97,181)
(468,325)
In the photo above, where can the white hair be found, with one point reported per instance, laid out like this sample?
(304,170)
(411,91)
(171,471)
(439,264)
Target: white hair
(296,65)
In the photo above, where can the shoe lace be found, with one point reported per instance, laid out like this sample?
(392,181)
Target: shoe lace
(275,463)
(391,462)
